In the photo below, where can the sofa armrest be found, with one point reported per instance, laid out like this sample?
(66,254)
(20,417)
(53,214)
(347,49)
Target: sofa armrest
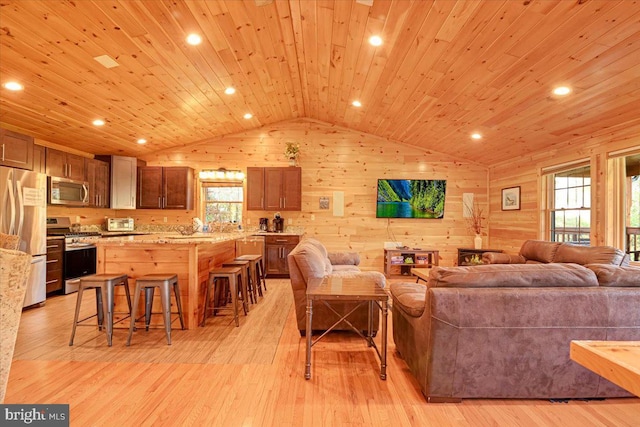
(500,258)
(344,258)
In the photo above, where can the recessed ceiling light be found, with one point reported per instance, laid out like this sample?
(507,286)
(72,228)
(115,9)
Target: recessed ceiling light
(476,136)
(230,90)
(356,103)
(15,86)
(142,141)
(194,39)
(562,90)
(98,122)
(248,116)
(375,40)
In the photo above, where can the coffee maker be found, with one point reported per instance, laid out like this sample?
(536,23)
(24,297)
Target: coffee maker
(278,223)
(264,224)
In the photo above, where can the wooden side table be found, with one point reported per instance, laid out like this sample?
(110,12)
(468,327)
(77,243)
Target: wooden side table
(398,262)
(465,255)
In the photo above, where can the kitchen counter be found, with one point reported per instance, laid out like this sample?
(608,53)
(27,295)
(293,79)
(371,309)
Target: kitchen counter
(190,257)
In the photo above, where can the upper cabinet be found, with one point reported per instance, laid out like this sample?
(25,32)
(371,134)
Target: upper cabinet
(274,189)
(123,182)
(16,150)
(165,187)
(39,163)
(98,179)
(65,165)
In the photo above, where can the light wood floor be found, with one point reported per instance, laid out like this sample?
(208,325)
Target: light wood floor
(250,376)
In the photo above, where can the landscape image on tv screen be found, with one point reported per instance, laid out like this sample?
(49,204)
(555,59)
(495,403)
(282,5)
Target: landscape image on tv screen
(411,198)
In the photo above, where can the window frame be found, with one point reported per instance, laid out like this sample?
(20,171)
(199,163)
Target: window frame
(204,184)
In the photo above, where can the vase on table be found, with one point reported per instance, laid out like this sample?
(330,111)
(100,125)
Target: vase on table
(477,241)
(292,162)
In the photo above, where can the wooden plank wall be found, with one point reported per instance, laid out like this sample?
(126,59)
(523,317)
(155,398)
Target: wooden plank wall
(337,159)
(508,229)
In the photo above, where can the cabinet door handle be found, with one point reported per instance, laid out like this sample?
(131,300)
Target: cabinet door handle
(160,202)
(3,152)
(52,261)
(51,281)
(52,246)
(69,170)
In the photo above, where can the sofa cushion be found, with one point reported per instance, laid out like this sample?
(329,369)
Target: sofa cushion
(337,269)
(328,268)
(615,276)
(502,258)
(539,250)
(344,258)
(513,276)
(588,254)
(409,297)
(310,261)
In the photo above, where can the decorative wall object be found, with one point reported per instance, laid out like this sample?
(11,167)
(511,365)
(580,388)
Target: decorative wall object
(324,203)
(511,199)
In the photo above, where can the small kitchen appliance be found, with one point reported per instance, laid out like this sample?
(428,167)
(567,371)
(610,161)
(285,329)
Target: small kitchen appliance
(278,223)
(264,224)
(120,224)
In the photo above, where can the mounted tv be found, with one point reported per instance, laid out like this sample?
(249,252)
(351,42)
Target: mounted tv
(411,198)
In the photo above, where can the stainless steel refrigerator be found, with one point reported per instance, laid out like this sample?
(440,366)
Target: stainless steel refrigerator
(23,211)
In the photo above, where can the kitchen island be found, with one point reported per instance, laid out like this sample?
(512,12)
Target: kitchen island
(190,257)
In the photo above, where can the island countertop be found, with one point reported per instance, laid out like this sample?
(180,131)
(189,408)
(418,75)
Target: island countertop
(175,238)
(190,257)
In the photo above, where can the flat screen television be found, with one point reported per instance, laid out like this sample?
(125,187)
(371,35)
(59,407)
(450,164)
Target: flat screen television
(411,198)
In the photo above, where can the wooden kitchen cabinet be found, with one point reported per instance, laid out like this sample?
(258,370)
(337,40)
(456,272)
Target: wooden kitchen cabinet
(277,248)
(165,187)
(39,159)
(16,150)
(274,189)
(55,248)
(65,165)
(98,179)
(123,182)
(255,189)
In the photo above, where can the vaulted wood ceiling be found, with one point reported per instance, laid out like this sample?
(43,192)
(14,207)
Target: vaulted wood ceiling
(446,69)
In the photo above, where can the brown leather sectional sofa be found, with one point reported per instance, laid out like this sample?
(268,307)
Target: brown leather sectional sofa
(503,331)
(310,259)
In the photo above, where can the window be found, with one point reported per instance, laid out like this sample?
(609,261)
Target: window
(632,211)
(623,202)
(222,202)
(569,205)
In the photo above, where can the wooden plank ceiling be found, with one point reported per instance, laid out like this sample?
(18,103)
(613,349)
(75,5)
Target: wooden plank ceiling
(446,69)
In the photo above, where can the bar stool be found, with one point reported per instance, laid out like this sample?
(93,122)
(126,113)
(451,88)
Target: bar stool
(257,272)
(245,280)
(149,282)
(231,275)
(100,282)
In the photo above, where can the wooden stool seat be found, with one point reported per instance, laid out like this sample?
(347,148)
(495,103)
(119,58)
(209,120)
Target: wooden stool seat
(230,274)
(148,283)
(100,282)
(246,280)
(257,274)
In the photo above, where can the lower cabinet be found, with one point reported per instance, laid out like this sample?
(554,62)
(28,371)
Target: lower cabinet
(55,249)
(277,248)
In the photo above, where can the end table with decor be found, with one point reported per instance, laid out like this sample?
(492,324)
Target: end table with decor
(468,256)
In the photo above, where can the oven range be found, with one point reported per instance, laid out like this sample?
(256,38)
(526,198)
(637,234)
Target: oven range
(79,257)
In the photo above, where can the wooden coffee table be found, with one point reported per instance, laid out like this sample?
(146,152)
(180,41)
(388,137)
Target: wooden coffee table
(421,274)
(617,361)
(362,290)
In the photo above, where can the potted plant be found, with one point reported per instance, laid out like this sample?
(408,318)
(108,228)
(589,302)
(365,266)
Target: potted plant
(292,151)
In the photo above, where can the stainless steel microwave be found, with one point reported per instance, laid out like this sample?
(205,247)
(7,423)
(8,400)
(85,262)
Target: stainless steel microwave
(62,191)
